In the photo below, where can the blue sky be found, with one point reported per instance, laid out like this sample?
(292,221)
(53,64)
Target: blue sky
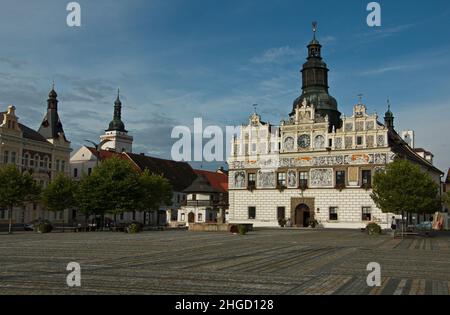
(175,60)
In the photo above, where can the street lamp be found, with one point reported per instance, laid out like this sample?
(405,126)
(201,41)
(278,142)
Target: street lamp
(97,147)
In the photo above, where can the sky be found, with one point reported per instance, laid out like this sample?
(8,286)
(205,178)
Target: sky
(175,60)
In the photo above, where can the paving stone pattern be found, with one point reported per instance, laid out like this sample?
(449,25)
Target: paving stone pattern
(264,262)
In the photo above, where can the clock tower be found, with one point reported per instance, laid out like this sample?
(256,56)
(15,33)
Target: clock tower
(315,85)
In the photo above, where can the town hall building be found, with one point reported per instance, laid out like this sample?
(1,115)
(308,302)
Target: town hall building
(318,165)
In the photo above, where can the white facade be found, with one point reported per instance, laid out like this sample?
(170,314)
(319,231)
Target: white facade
(118,141)
(317,173)
(198,209)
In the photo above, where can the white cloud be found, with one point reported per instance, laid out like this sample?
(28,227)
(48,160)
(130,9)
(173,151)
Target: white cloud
(277,55)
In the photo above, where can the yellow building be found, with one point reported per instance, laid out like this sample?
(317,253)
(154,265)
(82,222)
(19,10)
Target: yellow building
(43,153)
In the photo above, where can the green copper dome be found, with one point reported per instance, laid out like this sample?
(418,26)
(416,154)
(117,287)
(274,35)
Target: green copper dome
(117,124)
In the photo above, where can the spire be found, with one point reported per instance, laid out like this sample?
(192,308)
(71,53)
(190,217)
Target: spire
(51,127)
(314,25)
(389,117)
(116,124)
(315,84)
(255,106)
(314,47)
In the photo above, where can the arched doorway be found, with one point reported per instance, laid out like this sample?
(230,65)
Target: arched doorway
(191,217)
(302,215)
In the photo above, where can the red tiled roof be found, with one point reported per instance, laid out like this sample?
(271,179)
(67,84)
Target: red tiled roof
(218,181)
(105,154)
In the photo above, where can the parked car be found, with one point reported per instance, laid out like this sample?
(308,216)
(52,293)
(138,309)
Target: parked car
(425,226)
(31,226)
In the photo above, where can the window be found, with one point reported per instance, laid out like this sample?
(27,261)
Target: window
(303,176)
(46,162)
(367,214)
(75,172)
(333,214)
(251,179)
(183,217)
(194,197)
(134,216)
(41,163)
(57,165)
(6,157)
(26,158)
(200,217)
(251,213)
(63,166)
(3,214)
(122,216)
(281,213)
(359,140)
(89,171)
(367,178)
(330,143)
(13,157)
(340,178)
(281,179)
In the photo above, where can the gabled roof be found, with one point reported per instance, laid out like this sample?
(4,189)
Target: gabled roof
(105,154)
(399,146)
(179,174)
(31,134)
(218,181)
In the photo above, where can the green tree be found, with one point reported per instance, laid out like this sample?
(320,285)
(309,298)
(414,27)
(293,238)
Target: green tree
(155,192)
(59,195)
(446,199)
(113,187)
(16,189)
(404,187)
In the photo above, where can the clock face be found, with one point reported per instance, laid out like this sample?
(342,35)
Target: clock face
(289,144)
(319,142)
(304,141)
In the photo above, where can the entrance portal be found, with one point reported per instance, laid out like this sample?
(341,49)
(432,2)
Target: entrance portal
(302,216)
(191,217)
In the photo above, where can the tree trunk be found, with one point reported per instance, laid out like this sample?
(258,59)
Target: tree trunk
(10,220)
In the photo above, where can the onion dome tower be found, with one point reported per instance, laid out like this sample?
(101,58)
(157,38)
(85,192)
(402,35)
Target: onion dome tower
(315,85)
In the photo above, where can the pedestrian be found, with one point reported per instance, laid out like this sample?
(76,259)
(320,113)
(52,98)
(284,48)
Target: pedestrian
(394,224)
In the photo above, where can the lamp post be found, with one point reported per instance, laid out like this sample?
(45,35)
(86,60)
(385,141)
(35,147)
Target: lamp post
(98,147)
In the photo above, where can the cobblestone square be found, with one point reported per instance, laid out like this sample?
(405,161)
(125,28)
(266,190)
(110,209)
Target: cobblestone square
(264,262)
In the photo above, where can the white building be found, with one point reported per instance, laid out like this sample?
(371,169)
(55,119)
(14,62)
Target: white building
(316,164)
(207,198)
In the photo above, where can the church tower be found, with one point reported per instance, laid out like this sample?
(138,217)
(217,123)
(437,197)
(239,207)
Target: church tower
(315,85)
(116,137)
(51,127)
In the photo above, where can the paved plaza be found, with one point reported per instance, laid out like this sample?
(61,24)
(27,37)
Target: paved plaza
(265,262)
